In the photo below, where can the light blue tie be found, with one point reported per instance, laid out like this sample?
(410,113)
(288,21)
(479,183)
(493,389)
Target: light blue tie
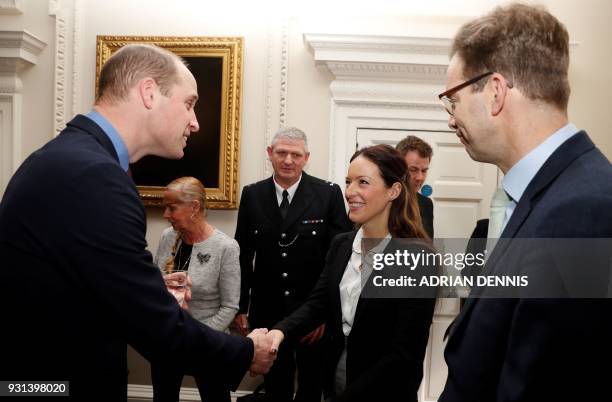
(499,207)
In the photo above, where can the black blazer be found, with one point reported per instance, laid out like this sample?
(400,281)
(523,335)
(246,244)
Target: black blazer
(426,209)
(289,255)
(541,349)
(387,342)
(78,284)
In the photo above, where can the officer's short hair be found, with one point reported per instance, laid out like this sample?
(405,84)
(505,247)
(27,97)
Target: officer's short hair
(290,133)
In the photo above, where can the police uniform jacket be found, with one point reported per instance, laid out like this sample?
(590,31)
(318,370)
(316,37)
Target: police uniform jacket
(281,260)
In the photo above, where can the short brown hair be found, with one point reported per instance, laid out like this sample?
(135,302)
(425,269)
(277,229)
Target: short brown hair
(134,62)
(414,143)
(524,43)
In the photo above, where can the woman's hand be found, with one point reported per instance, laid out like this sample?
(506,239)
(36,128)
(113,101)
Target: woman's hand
(277,337)
(184,305)
(314,336)
(179,285)
(241,324)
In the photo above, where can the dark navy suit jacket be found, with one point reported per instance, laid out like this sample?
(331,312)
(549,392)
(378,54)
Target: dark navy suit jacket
(526,349)
(78,284)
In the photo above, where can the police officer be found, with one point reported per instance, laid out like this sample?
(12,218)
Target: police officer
(285,225)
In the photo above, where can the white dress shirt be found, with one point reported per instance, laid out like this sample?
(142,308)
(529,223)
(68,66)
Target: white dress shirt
(291,190)
(355,277)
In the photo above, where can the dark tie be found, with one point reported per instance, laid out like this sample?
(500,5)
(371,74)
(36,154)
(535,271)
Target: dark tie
(284,206)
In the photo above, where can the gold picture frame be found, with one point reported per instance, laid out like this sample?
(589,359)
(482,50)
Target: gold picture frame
(213,154)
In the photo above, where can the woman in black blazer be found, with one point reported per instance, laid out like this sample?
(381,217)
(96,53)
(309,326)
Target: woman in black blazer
(377,344)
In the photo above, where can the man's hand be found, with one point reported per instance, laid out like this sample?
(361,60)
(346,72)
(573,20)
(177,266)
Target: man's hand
(241,324)
(276,336)
(314,335)
(262,357)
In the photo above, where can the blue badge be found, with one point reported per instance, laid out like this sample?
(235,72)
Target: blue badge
(426,190)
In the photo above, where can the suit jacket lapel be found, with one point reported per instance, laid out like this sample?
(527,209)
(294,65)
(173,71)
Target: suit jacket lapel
(301,200)
(553,167)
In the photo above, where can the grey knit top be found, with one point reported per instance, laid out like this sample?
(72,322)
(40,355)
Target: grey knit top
(214,268)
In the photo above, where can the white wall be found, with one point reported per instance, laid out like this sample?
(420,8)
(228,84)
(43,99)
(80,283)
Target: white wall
(308,97)
(308,86)
(37,89)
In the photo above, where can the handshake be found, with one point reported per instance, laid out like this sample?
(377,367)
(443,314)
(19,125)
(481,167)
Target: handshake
(265,345)
(266,342)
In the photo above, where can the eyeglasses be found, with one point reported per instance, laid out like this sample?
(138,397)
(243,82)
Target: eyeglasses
(445,97)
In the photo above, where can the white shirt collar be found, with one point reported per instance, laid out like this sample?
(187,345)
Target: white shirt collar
(379,248)
(291,190)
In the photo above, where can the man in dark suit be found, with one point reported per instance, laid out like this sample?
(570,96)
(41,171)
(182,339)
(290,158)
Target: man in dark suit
(286,222)
(417,154)
(78,284)
(507,100)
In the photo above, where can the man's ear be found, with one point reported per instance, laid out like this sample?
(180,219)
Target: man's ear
(147,91)
(500,88)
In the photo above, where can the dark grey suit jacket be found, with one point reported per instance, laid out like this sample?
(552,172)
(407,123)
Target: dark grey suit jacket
(78,284)
(541,349)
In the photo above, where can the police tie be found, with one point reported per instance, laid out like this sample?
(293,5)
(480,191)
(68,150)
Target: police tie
(284,206)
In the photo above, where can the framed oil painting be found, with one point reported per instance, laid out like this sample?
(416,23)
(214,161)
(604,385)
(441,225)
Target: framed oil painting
(213,153)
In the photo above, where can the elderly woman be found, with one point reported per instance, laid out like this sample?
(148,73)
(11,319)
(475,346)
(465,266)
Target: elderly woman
(377,344)
(211,260)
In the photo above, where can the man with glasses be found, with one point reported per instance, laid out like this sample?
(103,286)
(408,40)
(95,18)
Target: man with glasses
(507,99)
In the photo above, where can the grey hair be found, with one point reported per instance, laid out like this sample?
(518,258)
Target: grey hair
(290,133)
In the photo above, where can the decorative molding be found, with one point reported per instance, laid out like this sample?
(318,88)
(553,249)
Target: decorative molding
(76,49)
(276,83)
(60,9)
(18,51)
(432,107)
(67,57)
(372,91)
(401,44)
(378,49)
(10,137)
(379,81)
(284,73)
(387,70)
(11,7)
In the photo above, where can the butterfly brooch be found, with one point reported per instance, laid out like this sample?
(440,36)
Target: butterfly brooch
(203,258)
